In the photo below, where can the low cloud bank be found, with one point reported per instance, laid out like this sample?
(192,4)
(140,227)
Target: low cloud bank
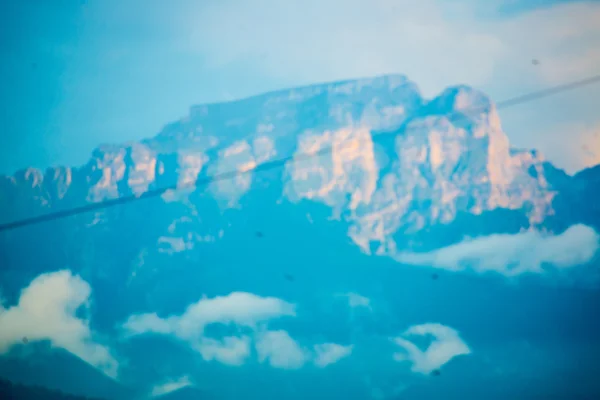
(513,255)
(170,386)
(245,311)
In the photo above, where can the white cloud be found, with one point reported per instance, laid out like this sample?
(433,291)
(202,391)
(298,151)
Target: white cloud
(244,310)
(435,43)
(230,350)
(515,254)
(280,350)
(170,386)
(355,300)
(47,311)
(446,345)
(239,308)
(330,353)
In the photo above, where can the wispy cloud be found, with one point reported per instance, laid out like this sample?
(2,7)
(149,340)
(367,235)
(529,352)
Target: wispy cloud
(328,40)
(581,150)
(324,40)
(446,345)
(170,386)
(47,310)
(512,255)
(330,353)
(356,300)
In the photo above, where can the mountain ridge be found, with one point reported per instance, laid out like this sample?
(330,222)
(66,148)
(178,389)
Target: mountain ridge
(430,167)
(430,181)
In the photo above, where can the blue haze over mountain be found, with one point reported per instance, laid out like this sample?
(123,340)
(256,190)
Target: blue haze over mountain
(422,257)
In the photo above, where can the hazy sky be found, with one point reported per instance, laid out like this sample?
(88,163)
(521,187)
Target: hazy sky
(78,73)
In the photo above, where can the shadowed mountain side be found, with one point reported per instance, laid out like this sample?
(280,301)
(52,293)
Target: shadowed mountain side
(40,365)
(14,391)
(307,230)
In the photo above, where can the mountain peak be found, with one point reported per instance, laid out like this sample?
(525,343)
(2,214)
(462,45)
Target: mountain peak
(387,82)
(453,166)
(461,98)
(380,102)
(381,82)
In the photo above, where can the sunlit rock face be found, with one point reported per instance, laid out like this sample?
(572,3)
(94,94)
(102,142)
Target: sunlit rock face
(451,156)
(390,166)
(337,168)
(236,163)
(304,194)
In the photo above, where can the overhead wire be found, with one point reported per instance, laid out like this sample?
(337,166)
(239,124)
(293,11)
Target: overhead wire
(280,162)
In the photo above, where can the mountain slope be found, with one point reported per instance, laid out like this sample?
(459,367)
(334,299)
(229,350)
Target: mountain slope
(391,167)
(398,164)
(11,391)
(375,169)
(56,369)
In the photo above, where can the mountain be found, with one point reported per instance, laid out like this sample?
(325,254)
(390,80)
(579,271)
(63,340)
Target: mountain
(576,201)
(11,391)
(59,370)
(370,168)
(402,171)
(398,164)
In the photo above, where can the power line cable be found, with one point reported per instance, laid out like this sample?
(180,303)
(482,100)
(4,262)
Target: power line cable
(511,102)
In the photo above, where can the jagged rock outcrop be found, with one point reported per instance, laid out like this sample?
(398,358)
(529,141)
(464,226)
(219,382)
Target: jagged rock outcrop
(390,166)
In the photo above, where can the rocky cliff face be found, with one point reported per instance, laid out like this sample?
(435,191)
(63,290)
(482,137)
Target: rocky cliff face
(393,169)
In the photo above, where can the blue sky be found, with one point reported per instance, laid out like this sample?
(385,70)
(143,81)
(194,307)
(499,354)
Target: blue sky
(79,73)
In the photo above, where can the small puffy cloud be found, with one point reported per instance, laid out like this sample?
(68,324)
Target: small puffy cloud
(243,310)
(446,345)
(239,308)
(355,300)
(330,353)
(280,350)
(138,324)
(170,386)
(231,350)
(515,254)
(47,311)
